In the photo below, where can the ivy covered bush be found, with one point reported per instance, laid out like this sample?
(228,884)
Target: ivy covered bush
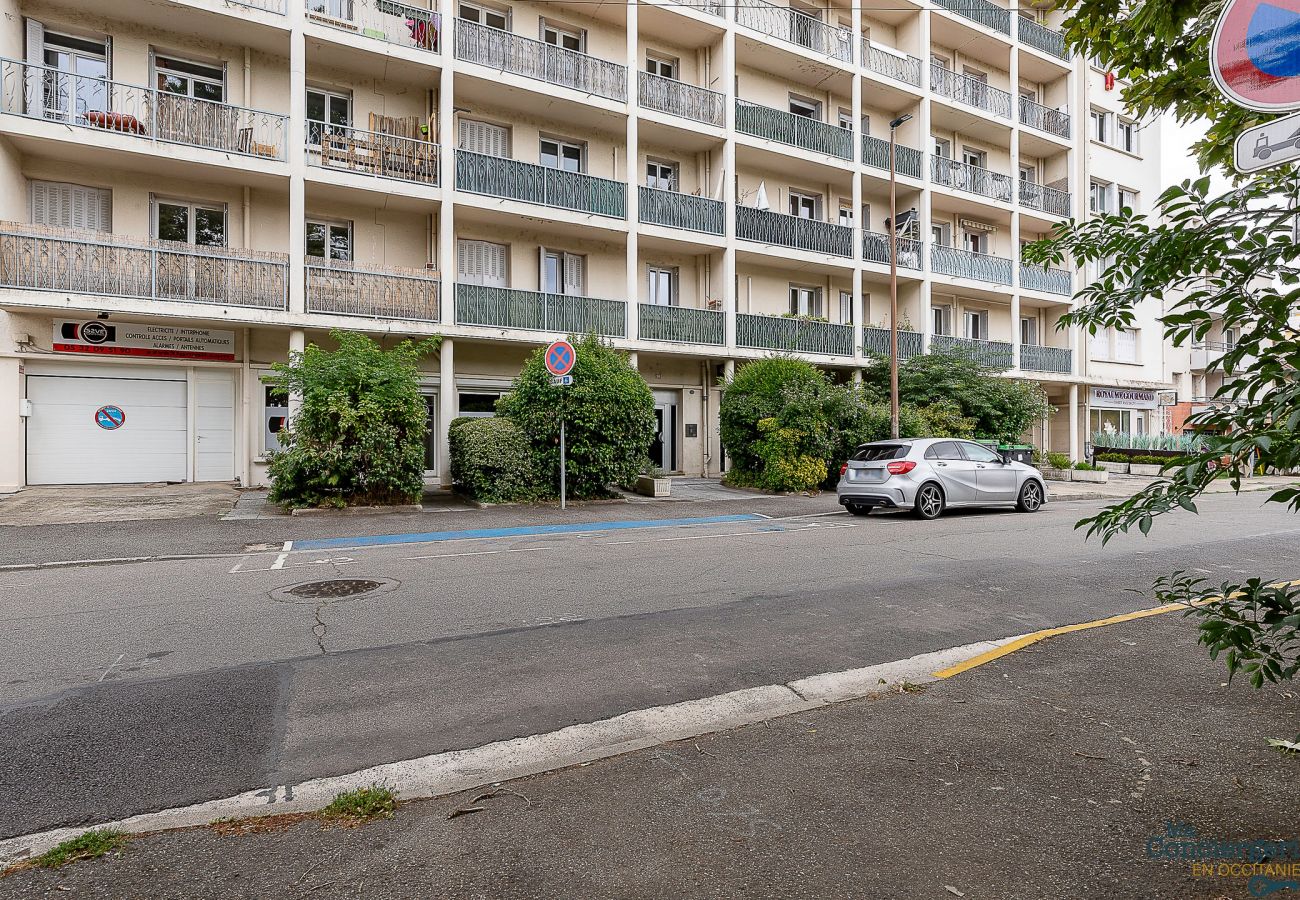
(492,461)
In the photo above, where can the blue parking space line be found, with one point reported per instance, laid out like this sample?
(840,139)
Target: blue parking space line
(430,537)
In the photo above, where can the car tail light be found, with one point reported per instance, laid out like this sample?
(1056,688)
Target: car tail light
(901,467)
(844,467)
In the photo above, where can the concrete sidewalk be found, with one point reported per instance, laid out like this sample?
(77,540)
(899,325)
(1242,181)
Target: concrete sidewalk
(1119,487)
(1052,773)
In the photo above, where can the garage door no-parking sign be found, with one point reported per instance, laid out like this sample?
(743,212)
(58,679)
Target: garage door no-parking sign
(110,418)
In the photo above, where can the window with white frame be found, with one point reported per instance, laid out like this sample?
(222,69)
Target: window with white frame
(1126,345)
(189,222)
(846,119)
(846,214)
(1029,330)
(846,307)
(976,324)
(477,405)
(804,205)
(941,319)
(482,262)
(1099,344)
(806,107)
(571,156)
(941,234)
(329,239)
(1099,121)
(1127,199)
(661,174)
(662,285)
(564,273)
(174,75)
(327,111)
(663,66)
(483,137)
(805,300)
(1099,197)
(565,36)
(1126,135)
(485,15)
(942,148)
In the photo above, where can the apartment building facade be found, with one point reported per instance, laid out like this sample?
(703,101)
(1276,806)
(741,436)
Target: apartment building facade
(192,190)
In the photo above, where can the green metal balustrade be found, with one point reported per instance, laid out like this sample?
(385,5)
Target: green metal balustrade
(680,324)
(875,342)
(497,176)
(1058,360)
(478,304)
(793,335)
(797,131)
(907,160)
(678,210)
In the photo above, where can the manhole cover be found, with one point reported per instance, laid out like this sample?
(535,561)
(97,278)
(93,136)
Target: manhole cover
(333,590)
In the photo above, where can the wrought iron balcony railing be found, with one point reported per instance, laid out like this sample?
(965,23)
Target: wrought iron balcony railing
(793,335)
(875,341)
(372,153)
(969,264)
(677,210)
(478,304)
(42,92)
(797,131)
(383,20)
(679,324)
(1044,118)
(973,179)
(1040,37)
(990,15)
(677,98)
(704,6)
(519,55)
(279,7)
(497,176)
(1041,197)
(875,248)
(792,26)
(994,354)
(1045,278)
(345,289)
(769,227)
(36,258)
(891,63)
(970,91)
(1035,358)
(907,160)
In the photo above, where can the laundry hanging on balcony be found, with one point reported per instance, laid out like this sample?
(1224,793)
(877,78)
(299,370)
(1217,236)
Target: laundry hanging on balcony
(760,202)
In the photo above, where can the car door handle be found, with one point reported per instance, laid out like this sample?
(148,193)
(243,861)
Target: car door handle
(980,466)
(942,465)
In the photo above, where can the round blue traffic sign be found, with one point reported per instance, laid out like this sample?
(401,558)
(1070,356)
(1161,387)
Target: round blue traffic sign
(110,418)
(560,357)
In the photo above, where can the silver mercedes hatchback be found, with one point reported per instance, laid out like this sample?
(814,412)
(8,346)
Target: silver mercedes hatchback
(929,475)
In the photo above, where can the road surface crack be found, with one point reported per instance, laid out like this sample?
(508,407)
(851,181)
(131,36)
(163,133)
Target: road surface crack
(319,628)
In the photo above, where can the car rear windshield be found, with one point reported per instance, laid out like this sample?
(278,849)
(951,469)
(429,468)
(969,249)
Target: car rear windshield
(880,452)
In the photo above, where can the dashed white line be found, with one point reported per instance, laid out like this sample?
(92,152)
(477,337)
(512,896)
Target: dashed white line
(111,668)
(480,553)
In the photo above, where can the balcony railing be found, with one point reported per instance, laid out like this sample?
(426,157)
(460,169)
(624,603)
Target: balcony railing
(478,304)
(1045,278)
(86,262)
(969,264)
(797,131)
(677,210)
(1034,358)
(1040,37)
(971,91)
(677,98)
(790,25)
(271,6)
(497,176)
(372,153)
(1044,118)
(875,248)
(345,289)
(41,92)
(383,20)
(769,227)
(994,354)
(793,335)
(990,15)
(875,341)
(519,55)
(679,324)
(973,179)
(891,63)
(907,160)
(1041,197)
(704,6)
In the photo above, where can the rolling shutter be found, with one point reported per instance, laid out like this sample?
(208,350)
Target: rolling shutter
(481,137)
(63,205)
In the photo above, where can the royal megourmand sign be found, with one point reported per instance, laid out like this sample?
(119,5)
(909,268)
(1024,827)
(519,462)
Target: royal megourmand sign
(128,339)
(1124,398)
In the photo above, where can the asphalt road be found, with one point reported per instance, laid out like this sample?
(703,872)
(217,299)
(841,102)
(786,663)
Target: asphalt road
(129,688)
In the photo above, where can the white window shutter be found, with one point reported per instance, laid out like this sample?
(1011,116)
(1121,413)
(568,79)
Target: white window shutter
(34,101)
(495,264)
(467,268)
(575,275)
(480,137)
(105,221)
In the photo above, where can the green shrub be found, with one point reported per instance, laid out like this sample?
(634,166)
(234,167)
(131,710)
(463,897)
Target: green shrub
(767,389)
(358,437)
(1113,458)
(1058,460)
(1085,466)
(492,461)
(785,465)
(609,414)
(1151,460)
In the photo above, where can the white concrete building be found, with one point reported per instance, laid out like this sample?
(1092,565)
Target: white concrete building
(191,189)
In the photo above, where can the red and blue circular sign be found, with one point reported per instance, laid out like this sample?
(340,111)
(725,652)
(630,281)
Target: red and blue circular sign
(560,358)
(110,418)
(1255,54)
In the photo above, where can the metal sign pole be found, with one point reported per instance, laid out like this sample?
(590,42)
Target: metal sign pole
(563,466)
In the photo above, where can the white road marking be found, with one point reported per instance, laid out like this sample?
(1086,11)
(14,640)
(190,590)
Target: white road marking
(480,553)
(111,668)
(279,561)
(705,537)
(238,566)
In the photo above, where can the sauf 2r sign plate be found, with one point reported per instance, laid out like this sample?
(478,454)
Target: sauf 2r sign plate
(1267,145)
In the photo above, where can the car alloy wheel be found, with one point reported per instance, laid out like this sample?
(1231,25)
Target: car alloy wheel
(929,502)
(1031,497)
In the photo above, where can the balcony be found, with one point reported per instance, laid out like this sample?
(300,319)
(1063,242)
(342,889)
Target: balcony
(994,354)
(907,160)
(1040,37)
(1058,360)
(969,264)
(704,6)
(797,131)
(970,91)
(677,98)
(86,262)
(496,176)
(767,227)
(372,153)
(793,335)
(345,289)
(1044,198)
(875,341)
(875,248)
(677,210)
(891,63)
(272,6)
(982,12)
(972,179)
(383,20)
(1047,279)
(680,324)
(41,92)
(499,307)
(1044,118)
(518,55)
(794,27)
(1208,355)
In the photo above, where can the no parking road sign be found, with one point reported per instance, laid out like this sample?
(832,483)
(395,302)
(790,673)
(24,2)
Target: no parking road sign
(1255,54)
(560,358)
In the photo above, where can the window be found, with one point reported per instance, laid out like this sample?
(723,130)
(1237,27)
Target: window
(1126,345)
(71,206)
(1126,131)
(1100,122)
(977,454)
(564,36)
(335,9)
(483,137)
(1127,199)
(663,66)
(482,262)
(941,234)
(846,214)
(485,16)
(1099,197)
(1028,174)
(802,106)
(972,157)
(327,111)
(1099,344)
(846,307)
(944,450)
(663,286)
(977,324)
(1029,331)
(805,301)
(804,206)
(275,414)
(477,405)
(866,124)
(1230,337)
(1110,421)
(881,452)
(564,273)
(70,98)
(1029,93)
(566,155)
(975,241)
(661,175)
(178,76)
(190,223)
(941,319)
(846,119)
(942,148)
(330,240)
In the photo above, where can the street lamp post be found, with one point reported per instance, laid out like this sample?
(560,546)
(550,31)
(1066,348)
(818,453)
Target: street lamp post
(893,280)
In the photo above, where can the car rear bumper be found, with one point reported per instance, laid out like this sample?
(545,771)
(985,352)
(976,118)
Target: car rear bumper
(875,495)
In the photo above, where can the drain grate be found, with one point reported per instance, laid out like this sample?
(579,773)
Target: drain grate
(334,589)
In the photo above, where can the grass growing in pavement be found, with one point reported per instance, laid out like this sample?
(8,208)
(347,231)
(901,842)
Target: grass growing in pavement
(362,805)
(86,846)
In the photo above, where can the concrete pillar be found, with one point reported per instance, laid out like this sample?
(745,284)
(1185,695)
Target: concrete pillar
(633,157)
(634,359)
(729,370)
(446,406)
(12,426)
(297,344)
(446,174)
(925,130)
(1074,423)
(1014,250)
(297,156)
(859,319)
(729,190)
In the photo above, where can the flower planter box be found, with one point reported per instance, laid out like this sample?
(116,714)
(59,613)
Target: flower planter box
(1143,469)
(1056,474)
(1089,477)
(1117,467)
(648,486)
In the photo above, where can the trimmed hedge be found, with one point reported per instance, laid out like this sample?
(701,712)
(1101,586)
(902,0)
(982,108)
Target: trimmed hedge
(492,461)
